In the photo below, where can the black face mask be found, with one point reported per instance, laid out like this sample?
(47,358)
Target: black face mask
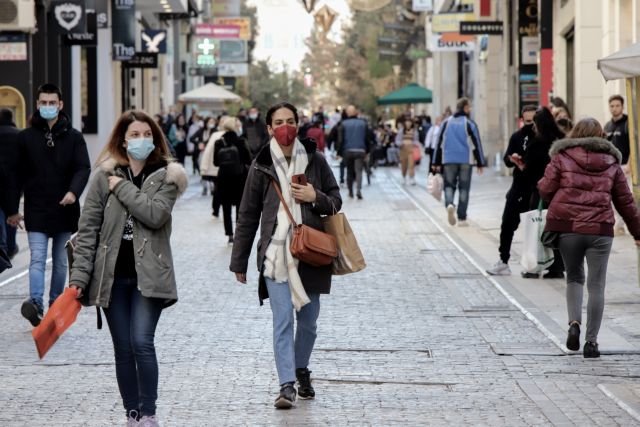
(528,128)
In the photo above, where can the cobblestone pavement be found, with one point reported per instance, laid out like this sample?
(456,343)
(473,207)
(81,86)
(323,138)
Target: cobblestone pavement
(421,337)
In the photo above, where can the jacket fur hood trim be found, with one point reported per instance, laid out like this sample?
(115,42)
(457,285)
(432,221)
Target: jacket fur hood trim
(596,145)
(175,173)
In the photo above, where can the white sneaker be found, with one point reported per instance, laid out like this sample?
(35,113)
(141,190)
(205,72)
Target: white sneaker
(149,421)
(412,181)
(499,269)
(405,180)
(451,214)
(463,223)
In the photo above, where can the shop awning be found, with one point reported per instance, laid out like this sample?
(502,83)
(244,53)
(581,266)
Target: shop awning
(623,64)
(209,94)
(410,94)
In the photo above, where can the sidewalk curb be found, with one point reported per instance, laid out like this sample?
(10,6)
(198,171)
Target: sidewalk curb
(454,240)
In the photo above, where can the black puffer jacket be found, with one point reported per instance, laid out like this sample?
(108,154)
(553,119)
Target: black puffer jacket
(46,174)
(260,205)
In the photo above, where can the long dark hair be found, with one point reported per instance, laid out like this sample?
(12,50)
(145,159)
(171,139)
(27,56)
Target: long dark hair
(546,127)
(115,148)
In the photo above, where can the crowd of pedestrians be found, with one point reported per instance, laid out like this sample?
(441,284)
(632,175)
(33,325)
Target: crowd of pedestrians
(276,171)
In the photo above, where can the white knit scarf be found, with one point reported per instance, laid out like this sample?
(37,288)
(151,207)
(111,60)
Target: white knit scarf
(279,264)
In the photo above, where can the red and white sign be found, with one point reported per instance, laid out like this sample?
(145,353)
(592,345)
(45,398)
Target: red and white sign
(13,51)
(217,31)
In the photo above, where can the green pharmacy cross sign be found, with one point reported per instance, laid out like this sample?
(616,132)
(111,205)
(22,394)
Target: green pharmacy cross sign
(205,53)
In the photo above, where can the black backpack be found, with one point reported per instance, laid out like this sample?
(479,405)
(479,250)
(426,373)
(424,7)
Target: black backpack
(228,158)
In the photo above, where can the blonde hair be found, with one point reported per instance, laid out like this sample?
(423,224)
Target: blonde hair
(228,124)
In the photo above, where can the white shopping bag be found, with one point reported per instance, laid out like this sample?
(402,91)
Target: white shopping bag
(535,257)
(434,185)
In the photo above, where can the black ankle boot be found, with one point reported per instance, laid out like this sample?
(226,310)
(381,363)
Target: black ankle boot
(305,389)
(573,337)
(590,350)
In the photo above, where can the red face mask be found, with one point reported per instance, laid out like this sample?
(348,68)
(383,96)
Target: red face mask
(285,134)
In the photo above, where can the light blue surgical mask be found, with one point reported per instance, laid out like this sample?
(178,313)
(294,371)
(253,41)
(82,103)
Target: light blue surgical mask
(48,112)
(140,148)
(239,132)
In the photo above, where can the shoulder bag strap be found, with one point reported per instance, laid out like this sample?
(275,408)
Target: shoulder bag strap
(286,208)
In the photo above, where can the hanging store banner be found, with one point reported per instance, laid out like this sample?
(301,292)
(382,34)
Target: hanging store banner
(449,22)
(233,51)
(142,60)
(68,16)
(123,37)
(225,8)
(86,38)
(218,31)
(233,70)
(494,28)
(437,44)
(154,41)
(243,23)
(13,47)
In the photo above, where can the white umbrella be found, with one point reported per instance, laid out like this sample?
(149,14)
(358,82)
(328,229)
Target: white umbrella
(209,94)
(623,64)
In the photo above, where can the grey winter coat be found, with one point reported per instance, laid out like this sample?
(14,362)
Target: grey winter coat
(102,225)
(260,205)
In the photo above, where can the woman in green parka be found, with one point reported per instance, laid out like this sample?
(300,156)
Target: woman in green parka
(123,261)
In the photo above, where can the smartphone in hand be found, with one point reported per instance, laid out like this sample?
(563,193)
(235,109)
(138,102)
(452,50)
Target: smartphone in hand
(300,179)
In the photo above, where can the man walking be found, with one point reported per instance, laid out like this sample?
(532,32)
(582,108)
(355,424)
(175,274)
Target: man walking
(8,162)
(518,195)
(354,141)
(456,156)
(617,130)
(256,131)
(53,170)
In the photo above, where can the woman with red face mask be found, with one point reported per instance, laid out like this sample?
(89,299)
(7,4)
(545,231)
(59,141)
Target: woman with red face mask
(288,283)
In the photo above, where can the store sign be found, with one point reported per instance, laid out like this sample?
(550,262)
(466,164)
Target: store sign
(422,5)
(142,60)
(449,22)
(68,16)
(206,50)
(123,38)
(225,8)
(481,27)
(218,31)
(243,23)
(233,51)
(88,38)
(154,41)
(237,70)
(13,47)
(437,44)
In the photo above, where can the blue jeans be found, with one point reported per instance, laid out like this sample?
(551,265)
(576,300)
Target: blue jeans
(132,320)
(457,175)
(38,245)
(290,354)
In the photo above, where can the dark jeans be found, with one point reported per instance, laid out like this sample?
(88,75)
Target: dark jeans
(457,176)
(355,164)
(3,232)
(343,167)
(228,219)
(132,320)
(517,202)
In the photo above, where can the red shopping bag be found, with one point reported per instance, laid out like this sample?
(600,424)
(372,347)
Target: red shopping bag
(60,316)
(417,154)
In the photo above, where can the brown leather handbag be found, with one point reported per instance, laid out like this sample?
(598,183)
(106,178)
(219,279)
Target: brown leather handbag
(311,246)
